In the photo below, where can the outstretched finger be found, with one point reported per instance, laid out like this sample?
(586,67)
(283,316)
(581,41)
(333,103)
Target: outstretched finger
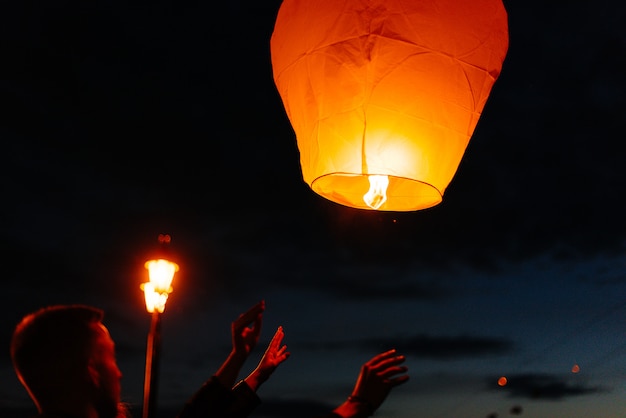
(396,381)
(391,371)
(282,354)
(277,339)
(387,362)
(281,351)
(381,357)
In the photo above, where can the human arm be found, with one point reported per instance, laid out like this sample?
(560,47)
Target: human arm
(218,398)
(245,331)
(243,394)
(376,379)
(274,355)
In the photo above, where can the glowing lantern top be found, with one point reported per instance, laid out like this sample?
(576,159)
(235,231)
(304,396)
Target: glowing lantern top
(385,88)
(161,273)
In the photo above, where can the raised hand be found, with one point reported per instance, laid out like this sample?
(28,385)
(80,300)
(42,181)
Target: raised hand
(246,330)
(378,376)
(376,379)
(274,355)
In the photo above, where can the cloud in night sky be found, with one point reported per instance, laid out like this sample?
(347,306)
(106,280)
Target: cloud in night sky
(429,346)
(545,386)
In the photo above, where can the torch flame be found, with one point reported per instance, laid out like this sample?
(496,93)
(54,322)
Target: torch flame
(155,301)
(156,291)
(377,194)
(161,273)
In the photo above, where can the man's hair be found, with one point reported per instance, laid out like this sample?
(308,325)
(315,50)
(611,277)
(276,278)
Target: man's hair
(53,344)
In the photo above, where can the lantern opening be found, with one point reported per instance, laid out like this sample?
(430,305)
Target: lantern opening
(402,194)
(377,194)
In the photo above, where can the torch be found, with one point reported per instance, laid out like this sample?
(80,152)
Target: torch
(161,273)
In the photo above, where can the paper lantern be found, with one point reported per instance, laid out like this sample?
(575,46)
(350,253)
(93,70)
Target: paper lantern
(385,92)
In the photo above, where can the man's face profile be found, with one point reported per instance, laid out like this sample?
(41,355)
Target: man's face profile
(107,383)
(65,358)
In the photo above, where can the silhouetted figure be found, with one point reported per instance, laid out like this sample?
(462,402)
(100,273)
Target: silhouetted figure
(65,358)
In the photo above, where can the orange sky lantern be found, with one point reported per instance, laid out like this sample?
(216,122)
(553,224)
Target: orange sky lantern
(384,95)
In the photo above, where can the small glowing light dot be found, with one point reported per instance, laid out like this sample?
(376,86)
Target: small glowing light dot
(575,368)
(502,381)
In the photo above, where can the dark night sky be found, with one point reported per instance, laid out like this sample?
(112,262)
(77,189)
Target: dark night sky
(123,120)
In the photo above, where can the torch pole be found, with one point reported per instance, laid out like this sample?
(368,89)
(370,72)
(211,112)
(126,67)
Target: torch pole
(150,384)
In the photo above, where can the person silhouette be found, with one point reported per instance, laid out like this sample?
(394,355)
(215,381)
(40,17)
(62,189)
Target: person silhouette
(65,358)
